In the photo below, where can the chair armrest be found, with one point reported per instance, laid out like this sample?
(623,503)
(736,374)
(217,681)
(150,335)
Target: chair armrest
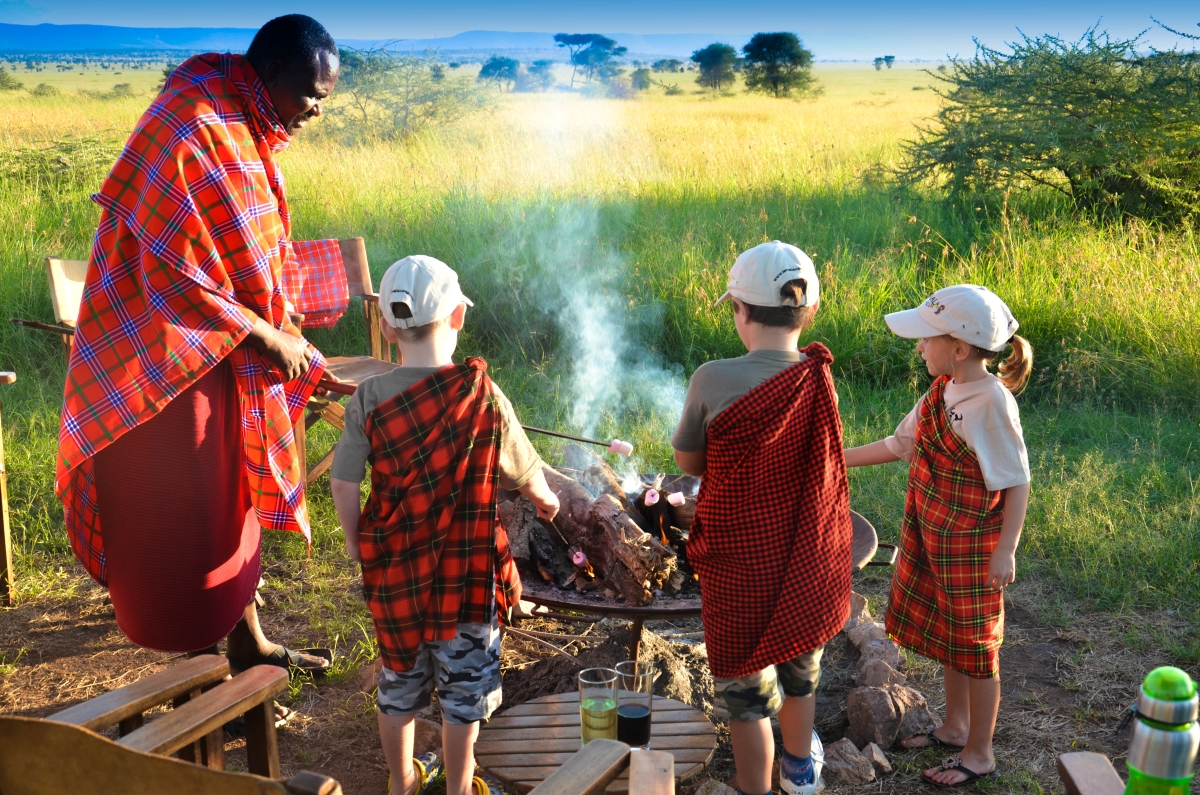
(7,378)
(1086,773)
(208,711)
(651,773)
(589,771)
(132,700)
(305,783)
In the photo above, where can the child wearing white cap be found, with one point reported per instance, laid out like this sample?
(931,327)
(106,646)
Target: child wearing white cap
(968,490)
(771,537)
(440,438)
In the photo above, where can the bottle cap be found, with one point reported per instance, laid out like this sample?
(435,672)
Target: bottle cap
(1168,695)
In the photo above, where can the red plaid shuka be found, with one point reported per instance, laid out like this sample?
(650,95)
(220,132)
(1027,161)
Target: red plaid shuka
(433,551)
(771,537)
(940,604)
(190,250)
(314,280)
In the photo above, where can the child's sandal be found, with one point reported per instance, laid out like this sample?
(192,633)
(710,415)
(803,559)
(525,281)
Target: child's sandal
(427,767)
(483,784)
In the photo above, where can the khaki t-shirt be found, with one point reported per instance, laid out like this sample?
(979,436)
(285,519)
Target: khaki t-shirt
(983,414)
(717,384)
(518,460)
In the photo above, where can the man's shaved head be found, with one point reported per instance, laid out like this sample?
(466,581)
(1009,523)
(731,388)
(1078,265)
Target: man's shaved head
(297,60)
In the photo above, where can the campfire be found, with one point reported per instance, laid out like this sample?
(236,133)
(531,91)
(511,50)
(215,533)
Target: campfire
(629,544)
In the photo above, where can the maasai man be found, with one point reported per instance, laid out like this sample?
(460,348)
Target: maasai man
(186,373)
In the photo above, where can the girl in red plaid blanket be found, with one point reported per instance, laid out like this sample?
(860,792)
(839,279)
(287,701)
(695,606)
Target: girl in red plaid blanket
(968,489)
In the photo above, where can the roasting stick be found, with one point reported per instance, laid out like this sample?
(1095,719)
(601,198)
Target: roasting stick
(615,446)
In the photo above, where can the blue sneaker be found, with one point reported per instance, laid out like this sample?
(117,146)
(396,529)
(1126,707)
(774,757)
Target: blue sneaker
(806,781)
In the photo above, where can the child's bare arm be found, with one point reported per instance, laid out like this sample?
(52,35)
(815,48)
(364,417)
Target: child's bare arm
(692,462)
(1002,565)
(870,454)
(539,493)
(348,501)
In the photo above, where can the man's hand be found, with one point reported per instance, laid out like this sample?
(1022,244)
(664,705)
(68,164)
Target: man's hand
(1002,569)
(543,499)
(290,355)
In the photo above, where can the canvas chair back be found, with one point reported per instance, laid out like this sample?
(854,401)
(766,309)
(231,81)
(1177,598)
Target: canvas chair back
(66,287)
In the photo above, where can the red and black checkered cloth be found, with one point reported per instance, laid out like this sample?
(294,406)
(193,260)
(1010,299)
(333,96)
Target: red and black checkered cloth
(771,538)
(314,280)
(941,605)
(433,551)
(189,253)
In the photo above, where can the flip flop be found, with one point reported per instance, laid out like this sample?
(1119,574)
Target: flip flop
(954,763)
(932,741)
(237,727)
(286,658)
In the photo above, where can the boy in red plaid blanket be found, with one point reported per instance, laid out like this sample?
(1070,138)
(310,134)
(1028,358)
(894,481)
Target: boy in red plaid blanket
(968,488)
(771,538)
(441,438)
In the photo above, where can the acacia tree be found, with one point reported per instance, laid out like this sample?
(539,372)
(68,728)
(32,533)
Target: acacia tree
(716,65)
(1098,120)
(541,74)
(500,70)
(591,52)
(777,63)
(889,60)
(667,65)
(878,62)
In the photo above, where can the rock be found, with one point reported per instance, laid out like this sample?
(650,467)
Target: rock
(848,763)
(876,673)
(881,714)
(858,611)
(865,632)
(714,787)
(878,760)
(884,650)
(428,737)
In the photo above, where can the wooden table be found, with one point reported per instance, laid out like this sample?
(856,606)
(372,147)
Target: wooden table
(525,744)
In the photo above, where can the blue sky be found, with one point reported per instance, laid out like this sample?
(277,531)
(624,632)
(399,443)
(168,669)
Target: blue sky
(832,28)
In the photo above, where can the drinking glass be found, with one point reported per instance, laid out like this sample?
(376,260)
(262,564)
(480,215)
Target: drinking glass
(597,704)
(635,701)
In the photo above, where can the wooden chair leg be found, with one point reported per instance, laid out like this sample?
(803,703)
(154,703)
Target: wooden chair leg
(213,749)
(130,724)
(262,745)
(193,752)
(6,566)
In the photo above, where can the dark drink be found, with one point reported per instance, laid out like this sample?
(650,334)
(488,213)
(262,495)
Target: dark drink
(633,725)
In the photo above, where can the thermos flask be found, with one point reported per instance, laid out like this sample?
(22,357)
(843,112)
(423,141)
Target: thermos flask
(1162,753)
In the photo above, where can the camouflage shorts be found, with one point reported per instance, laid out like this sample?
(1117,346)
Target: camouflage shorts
(466,670)
(760,695)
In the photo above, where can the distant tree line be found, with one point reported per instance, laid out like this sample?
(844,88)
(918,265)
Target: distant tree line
(772,63)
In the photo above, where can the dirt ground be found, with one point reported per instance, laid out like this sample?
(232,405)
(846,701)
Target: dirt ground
(1066,683)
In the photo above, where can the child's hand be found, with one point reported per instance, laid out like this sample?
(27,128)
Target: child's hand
(352,549)
(1002,569)
(543,499)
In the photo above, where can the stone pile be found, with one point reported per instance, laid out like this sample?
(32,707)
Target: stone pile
(881,708)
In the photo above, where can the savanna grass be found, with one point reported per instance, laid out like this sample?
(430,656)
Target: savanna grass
(667,191)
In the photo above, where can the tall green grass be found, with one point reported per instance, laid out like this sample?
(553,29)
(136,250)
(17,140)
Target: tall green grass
(676,188)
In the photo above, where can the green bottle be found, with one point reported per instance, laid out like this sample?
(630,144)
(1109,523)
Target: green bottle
(1162,753)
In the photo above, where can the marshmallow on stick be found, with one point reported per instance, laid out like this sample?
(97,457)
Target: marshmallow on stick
(615,446)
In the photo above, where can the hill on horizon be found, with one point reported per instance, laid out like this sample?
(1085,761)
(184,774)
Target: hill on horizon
(48,38)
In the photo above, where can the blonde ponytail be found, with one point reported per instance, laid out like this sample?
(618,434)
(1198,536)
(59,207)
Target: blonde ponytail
(1014,371)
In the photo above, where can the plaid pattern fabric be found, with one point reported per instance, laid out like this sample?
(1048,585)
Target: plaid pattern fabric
(940,605)
(771,537)
(314,281)
(189,251)
(433,550)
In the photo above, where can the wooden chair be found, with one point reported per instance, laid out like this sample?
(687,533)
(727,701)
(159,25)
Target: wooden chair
(592,769)
(1087,773)
(66,292)
(381,356)
(6,575)
(63,753)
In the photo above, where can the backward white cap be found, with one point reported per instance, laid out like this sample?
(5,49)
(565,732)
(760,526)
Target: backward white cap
(967,312)
(760,272)
(428,286)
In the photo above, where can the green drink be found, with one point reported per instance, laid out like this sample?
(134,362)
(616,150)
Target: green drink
(597,704)
(598,719)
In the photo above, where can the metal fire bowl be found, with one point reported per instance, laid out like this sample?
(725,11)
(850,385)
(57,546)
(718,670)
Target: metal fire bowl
(863,549)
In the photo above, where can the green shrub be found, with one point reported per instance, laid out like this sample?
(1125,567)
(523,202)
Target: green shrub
(1111,128)
(44,90)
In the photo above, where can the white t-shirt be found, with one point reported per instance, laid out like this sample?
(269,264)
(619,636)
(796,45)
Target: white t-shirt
(984,415)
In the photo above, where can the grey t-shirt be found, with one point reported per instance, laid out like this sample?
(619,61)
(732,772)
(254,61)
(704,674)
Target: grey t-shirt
(717,384)
(518,460)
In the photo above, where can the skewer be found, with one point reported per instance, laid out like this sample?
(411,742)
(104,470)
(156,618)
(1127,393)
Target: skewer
(615,446)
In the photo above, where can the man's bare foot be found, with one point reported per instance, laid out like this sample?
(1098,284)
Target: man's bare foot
(935,738)
(958,771)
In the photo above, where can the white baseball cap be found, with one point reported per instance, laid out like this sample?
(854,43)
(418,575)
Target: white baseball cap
(429,287)
(966,312)
(759,273)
